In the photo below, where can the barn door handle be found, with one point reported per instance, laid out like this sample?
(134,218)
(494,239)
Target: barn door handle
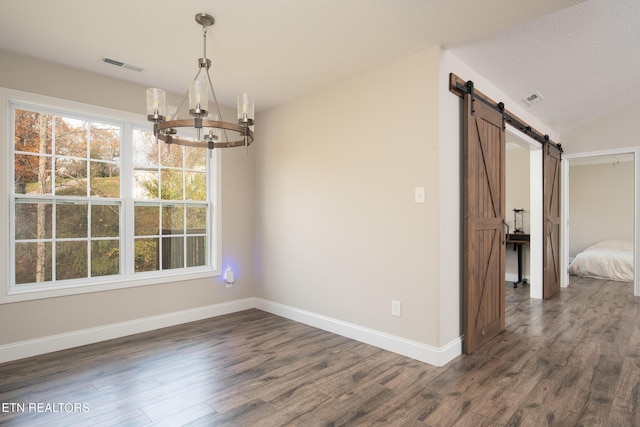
(504,236)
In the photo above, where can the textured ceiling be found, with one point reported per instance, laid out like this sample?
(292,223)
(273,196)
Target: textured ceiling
(581,56)
(584,60)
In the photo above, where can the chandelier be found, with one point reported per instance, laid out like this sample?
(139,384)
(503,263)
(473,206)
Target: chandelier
(211,131)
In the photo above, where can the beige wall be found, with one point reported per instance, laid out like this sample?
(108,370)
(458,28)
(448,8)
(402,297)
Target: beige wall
(601,204)
(338,232)
(34,319)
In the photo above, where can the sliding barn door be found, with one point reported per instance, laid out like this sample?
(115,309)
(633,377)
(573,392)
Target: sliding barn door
(484,235)
(551,248)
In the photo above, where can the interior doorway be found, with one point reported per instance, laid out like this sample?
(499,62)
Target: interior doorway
(623,159)
(524,191)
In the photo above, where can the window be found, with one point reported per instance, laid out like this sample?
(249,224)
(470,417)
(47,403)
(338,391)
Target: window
(170,207)
(66,175)
(96,203)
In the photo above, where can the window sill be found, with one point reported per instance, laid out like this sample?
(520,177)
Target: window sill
(35,292)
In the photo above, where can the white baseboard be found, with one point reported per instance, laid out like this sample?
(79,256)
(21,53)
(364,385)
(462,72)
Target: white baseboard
(67,340)
(415,350)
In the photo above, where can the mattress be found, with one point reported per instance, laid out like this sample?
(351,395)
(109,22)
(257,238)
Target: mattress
(609,259)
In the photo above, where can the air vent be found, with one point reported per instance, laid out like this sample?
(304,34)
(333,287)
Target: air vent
(121,64)
(534,98)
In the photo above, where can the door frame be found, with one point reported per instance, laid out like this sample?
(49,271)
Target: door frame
(565,187)
(536,197)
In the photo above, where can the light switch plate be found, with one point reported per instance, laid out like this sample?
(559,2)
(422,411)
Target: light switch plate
(395,308)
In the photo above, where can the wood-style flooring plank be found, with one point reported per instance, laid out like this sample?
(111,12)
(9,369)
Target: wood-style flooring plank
(572,360)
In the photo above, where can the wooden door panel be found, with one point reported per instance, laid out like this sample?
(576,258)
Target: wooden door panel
(551,247)
(486,314)
(484,250)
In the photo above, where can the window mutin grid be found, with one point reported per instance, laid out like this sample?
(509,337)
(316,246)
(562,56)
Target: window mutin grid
(83,190)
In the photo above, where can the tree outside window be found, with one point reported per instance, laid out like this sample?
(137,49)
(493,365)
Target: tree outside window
(69,206)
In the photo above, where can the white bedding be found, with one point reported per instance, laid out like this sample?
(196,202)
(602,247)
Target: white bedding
(609,259)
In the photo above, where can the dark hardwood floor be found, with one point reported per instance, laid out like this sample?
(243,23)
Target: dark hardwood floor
(573,360)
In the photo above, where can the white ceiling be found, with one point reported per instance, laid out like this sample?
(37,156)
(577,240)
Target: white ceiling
(582,56)
(584,60)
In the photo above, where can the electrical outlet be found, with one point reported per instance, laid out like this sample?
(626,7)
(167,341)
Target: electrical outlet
(229,278)
(395,308)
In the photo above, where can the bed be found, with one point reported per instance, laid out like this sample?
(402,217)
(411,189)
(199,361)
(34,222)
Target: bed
(608,259)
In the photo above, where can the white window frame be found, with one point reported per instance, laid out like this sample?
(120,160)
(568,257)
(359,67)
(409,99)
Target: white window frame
(10,292)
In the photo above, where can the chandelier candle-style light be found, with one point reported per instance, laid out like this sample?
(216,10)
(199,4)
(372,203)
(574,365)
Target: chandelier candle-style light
(211,130)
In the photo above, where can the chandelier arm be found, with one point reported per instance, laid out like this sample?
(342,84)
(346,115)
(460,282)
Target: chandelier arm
(184,98)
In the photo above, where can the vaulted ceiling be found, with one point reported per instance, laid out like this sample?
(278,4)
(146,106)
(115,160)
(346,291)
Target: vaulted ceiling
(581,56)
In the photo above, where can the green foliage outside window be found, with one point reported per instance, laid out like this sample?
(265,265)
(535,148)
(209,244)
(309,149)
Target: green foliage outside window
(68,202)
(170,188)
